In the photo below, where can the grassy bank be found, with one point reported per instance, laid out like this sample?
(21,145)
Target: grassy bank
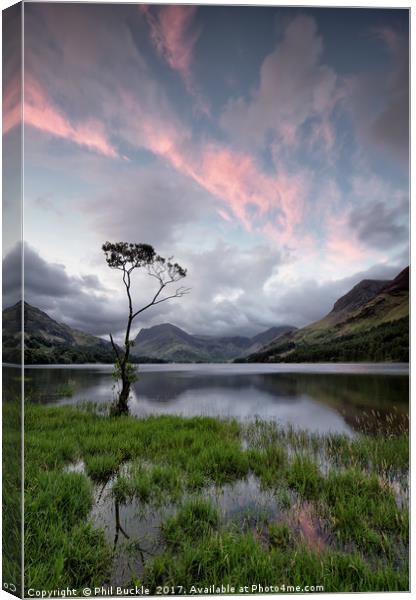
(342,516)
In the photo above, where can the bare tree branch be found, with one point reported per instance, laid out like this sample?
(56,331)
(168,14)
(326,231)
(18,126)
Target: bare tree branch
(115,348)
(178,294)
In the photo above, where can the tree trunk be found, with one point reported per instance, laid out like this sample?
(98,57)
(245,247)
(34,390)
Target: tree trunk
(122,407)
(123,399)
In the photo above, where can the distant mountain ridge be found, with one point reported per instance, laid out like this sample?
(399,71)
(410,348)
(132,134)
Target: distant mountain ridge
(170,343)
(50,342)
(370,322)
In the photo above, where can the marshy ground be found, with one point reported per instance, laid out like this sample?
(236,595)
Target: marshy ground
(199,501)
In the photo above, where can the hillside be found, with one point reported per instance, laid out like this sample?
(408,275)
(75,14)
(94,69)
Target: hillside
(49,342)
(369,323)
(173,344)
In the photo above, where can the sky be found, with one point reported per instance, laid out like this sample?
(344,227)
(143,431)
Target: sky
(265,148)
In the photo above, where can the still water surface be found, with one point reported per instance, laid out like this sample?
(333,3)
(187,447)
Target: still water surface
(318,397)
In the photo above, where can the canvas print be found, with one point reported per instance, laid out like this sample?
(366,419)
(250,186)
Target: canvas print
(205,299)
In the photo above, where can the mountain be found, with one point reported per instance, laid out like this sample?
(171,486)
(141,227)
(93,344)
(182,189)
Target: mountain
(173,344)
(270,334)
(359,295)
(49,342)
(369,323)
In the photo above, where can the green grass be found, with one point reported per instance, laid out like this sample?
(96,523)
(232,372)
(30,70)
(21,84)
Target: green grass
(239,559)
(101,466)
(12,493)
(156,484)
(195,520)
(171,461)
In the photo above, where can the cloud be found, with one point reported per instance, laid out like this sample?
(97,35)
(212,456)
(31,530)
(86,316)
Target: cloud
(276,202)
(391,126)
(212,306)
(233,178)
(41,113)
(343,245)
(229,293)
(12,105)
(379,226)
(154,205)
(266,168)
(380,102)
(77,56)
(174,36)
(308,300)
(12,68)
(294,87)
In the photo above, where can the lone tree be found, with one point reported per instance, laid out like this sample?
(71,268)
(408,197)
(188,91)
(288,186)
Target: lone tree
(126,258)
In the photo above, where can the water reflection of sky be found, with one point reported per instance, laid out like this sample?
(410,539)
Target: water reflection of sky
(319,398)
(301,412)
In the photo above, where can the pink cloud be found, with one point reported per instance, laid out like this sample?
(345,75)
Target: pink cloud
(342,244)
(172,35)
(224,215)
(174,38)
(12,105)
(41,113)
(252,196)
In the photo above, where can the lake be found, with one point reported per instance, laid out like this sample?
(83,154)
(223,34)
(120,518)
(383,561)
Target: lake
(343,398)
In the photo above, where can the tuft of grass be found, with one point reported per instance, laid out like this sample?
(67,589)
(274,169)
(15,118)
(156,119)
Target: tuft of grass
(279,535)
(196,519)
(303,475)
(100,467)
(157,483)
(268,464)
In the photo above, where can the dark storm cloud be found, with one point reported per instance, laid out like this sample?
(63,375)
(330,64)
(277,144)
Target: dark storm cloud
(379,226)
(76,301)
